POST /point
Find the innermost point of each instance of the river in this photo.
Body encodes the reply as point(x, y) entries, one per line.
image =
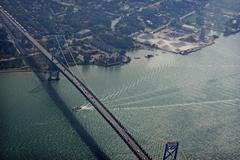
point(193, 99)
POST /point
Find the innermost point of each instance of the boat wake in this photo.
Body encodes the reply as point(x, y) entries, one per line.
point(83, 107)
point(87, 107)
point(180, 105)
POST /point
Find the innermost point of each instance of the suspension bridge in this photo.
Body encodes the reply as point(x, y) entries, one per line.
point(86, 92)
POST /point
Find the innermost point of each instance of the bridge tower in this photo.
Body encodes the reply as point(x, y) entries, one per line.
point(53, 70)
point(171, 150)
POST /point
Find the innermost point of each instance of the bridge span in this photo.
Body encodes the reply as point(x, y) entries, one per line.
point(96, 103)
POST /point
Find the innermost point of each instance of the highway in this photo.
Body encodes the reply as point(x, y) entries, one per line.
point(96, 103)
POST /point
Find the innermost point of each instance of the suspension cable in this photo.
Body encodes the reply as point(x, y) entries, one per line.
point(75, 62)
point(61, 51)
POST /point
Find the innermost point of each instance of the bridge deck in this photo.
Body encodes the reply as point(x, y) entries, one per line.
point(106, 114)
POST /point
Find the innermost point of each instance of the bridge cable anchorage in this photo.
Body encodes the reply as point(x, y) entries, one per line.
point(80, 86)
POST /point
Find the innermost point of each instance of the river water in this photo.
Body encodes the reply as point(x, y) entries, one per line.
point(192, 99)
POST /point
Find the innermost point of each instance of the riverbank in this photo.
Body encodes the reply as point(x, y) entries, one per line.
point(13, 70)
point(104, 62)
point(125, 60)
point(231, 33)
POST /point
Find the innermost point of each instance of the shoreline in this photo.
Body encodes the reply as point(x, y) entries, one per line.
point(142, 46)
point(29, 69)
point(15, 70)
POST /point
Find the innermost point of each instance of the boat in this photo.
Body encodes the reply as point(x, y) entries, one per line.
point(77, 109)
point(137, 58)
point(149, 56)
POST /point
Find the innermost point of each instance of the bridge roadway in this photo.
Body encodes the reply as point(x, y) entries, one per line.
point(96, 103)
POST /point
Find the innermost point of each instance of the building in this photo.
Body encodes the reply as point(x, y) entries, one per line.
point(189, 28)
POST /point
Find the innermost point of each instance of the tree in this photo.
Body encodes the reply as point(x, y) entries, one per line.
point(3, 34)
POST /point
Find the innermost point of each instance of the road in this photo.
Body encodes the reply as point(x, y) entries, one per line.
point(106, 114)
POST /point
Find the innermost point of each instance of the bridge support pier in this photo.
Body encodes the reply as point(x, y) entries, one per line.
point(54, 76)
point(54, 72)
point(171, 150)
